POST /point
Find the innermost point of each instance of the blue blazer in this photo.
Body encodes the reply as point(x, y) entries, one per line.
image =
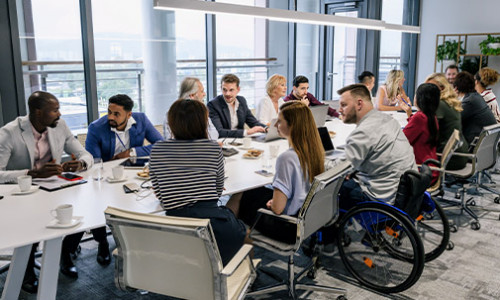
point(219, 114)
point(101, 140)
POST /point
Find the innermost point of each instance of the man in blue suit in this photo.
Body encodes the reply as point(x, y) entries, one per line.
point(229, 113)
point(120, 134)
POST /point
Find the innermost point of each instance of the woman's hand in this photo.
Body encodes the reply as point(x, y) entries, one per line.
point(269, 204)
point(403, 104)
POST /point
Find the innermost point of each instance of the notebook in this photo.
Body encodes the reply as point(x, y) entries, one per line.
point(326, 140)
point(320, 112)
point(271, 135)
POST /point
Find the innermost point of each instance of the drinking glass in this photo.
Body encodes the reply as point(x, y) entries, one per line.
point(97, 169)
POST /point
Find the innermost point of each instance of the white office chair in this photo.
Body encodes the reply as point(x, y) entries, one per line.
point(176, 257)
point(320, 208)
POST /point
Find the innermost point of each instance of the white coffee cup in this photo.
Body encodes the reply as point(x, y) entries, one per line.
point(247, 142)
point(63, 213)
point(117, 172)
point(24, 182)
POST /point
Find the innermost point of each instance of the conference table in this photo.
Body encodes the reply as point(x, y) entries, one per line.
point(23, 218)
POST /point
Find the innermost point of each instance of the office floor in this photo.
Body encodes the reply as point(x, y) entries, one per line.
point(469, 271)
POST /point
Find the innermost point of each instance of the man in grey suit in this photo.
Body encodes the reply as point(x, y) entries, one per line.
point(33, 145)
point(229, 112)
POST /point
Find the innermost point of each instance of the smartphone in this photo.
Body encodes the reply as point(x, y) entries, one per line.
point(264, 173)
point(131, 187)
point(70, 176)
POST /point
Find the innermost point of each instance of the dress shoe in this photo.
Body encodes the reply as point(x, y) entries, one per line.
point(30, 282)
point(103, 255)
point(67, 266)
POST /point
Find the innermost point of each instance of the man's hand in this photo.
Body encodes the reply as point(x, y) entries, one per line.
point(123, 154)
point(256, 129)
point(47, 170)
point(73, 165)
point(305, 100)
point(269, 204)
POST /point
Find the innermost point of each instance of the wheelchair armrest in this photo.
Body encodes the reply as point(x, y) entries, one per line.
point(469, 155)
point(283, 217)
point(237, 259)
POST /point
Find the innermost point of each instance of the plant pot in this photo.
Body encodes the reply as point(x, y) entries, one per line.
point(494, 45)
point(448, 62)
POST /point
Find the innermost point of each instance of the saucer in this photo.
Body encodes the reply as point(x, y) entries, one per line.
point(17, 191)
point(113, 180)
point(55, 224)
point(246, 148)
point(142, 178)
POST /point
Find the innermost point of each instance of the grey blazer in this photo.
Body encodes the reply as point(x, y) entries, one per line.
point(17, 147)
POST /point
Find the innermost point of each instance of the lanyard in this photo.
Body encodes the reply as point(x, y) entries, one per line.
point(121, 142)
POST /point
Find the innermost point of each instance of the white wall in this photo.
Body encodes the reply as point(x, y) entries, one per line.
point(455, 16)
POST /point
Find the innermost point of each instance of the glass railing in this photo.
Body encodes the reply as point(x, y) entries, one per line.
point(65, 80)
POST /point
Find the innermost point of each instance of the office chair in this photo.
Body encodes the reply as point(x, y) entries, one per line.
point(483, 157)
point(176, 257)
point(320, 208)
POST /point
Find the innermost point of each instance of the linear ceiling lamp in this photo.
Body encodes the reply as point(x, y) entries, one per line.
point(282, 15)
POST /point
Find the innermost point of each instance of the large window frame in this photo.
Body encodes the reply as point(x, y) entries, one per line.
point(12, 97)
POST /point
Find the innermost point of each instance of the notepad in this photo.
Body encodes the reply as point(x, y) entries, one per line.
point(55, 183)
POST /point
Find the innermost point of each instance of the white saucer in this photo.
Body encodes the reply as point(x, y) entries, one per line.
point(17, 191)
point(55, 224)
point(113, 180)
point(246, 148)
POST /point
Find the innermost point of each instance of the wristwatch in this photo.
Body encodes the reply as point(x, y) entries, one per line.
point(132, 152)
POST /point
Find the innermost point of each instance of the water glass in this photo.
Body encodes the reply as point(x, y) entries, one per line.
point(97, 169)
point(274, 150)
point(267, 163)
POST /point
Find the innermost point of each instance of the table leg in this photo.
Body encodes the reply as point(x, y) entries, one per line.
point(50, 269)
point(16, 272)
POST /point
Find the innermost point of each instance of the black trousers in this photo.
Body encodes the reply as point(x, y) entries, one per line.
point(69, 245)
point(100, 234)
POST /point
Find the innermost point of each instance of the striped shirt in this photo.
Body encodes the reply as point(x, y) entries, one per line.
point(491, 100)
point(184, 172)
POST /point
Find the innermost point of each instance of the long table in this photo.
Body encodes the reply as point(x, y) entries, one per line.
point(23, 218)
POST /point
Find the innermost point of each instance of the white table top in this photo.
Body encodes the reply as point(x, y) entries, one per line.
point(23, 217)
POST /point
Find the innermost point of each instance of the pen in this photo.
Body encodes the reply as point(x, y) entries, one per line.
point(405, 102)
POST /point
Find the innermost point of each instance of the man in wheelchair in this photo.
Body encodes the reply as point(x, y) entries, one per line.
point(377, 149)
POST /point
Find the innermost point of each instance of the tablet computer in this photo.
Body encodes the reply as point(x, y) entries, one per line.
point(135, 162)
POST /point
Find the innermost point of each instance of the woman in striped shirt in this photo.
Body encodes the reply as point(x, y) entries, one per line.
point(188, 175)
point(484, 78)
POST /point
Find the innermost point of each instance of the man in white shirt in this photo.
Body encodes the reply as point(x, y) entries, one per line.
point(229, 112)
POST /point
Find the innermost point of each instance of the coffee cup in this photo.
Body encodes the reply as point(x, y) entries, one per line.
point(63, 213)
point(117, 172)
point(24, 183)
point(247, 142)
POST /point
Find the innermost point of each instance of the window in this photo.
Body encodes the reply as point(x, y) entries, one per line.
point(51, 52)
point(390, 41)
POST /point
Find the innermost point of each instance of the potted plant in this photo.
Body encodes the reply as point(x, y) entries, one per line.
point(490, 46)
point(448, 51)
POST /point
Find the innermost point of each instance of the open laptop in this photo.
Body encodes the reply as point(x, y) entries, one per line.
point(320, 112)
point(271, 135)
point(326, 140)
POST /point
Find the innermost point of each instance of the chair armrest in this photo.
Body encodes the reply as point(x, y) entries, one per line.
point(237, 259)
point(284, 217)
point(469, 155)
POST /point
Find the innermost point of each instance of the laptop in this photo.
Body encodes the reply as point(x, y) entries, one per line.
point(271, 135)
point(320, 112)
point(326, 140)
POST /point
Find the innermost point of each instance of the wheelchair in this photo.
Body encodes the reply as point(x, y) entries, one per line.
point(385, 247)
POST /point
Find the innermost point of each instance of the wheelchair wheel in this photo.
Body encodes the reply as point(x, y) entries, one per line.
point(434, 231)
point(384, 251)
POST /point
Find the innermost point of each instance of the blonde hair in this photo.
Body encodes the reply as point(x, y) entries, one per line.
point(448, 95)
point(392, 83)
point(273, 82)
point(487, 76)
point(304, 138)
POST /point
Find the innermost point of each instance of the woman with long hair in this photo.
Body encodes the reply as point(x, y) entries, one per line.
point(188, 175)
point(449, 119)
point(484, 78)
point(391, 93)
point(295, 168)
point(422, 128)
point(267, 108)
